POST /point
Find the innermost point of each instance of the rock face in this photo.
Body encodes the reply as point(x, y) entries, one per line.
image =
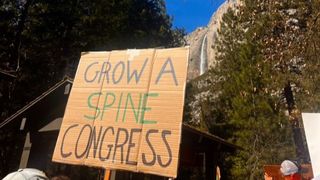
point(202, 42)
point(202, 57)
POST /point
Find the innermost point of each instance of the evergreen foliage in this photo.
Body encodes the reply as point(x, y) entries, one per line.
point(41, 40)
point(263, 47)
point(250, 107)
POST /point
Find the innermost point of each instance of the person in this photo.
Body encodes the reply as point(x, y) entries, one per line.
point(290, 170)
point(26, 174)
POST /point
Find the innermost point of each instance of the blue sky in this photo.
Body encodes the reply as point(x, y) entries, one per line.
point(191, 14)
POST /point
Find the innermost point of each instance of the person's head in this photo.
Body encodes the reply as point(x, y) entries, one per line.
point(26, 174)
point(290, 170)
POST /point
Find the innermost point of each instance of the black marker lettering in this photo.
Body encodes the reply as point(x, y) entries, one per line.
point(120, 145)
point(86, 73)
point(163, 70)
point(121, 74)
point(105, 71)
point(109, 145)
point(135, 73)
point(94, 141)
point(164, 133)
point(131, 145)
point(88, 142)
point(144, 161)
point(65, 155)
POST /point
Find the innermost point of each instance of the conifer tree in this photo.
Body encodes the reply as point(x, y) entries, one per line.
point(267, 73)
point(250, 107)
point(41, 40)
point(308, 96)
point(251, 85)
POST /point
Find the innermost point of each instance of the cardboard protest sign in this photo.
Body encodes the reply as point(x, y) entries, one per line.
point(311, 123)
point(125, 111)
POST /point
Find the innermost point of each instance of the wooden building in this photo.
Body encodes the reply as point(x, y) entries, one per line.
point(28, 138)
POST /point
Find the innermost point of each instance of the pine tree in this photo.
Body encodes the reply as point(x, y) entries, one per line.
point(251, 104)
point(308, 95)
point(41, 40)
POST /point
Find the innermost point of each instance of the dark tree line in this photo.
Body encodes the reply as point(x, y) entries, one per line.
point(41, 40)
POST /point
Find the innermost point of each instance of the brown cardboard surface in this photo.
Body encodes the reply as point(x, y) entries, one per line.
point(125, 111)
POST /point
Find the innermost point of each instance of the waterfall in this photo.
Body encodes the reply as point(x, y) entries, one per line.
point(203, 56)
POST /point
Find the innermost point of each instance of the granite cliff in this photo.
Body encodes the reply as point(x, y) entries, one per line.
point(202, 42)
point(202, 57)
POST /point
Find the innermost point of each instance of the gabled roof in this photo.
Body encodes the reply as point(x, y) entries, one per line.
point(209, 136)
point(39, 98)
